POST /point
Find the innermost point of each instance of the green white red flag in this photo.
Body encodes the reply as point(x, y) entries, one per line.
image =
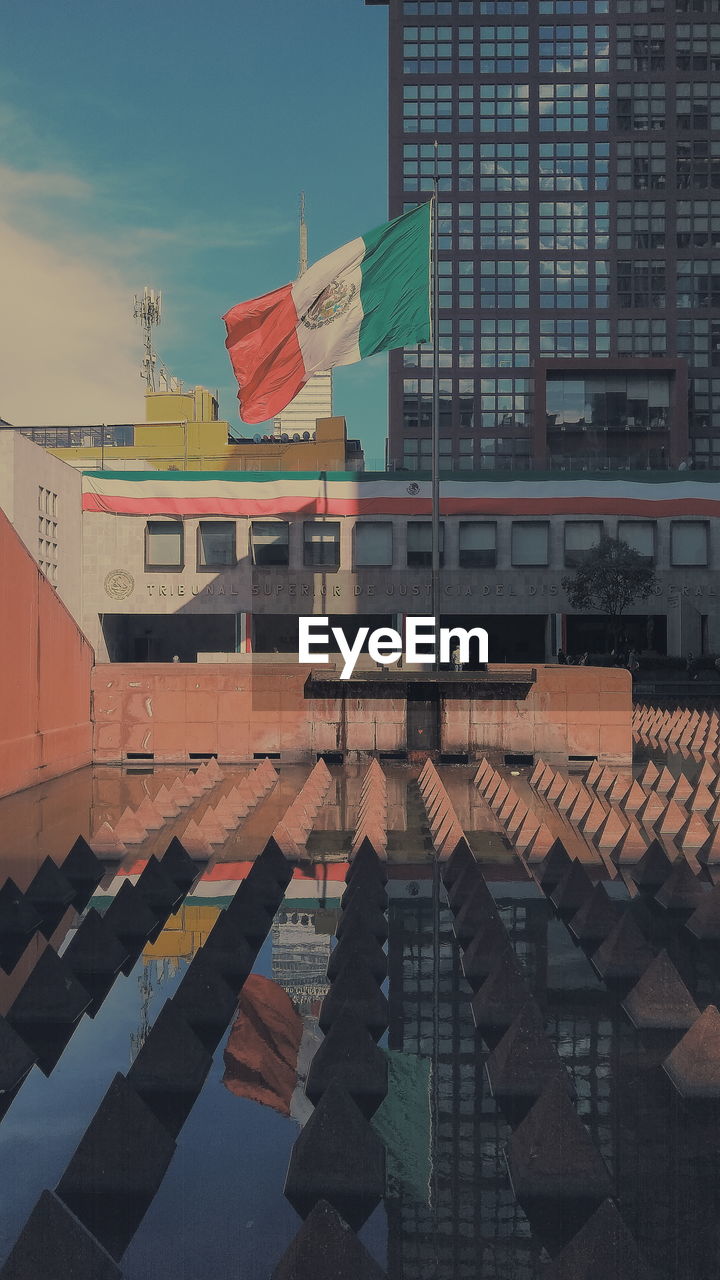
point(370, 295)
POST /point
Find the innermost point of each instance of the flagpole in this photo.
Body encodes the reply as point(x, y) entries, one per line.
point(435, 436)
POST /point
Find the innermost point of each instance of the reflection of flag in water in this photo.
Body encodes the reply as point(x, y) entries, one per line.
point(262, 1051)
point(403, 1123)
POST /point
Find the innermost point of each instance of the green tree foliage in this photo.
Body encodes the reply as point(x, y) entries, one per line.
point(611, 578)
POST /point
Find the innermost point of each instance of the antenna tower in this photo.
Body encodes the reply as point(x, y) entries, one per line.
point(147, 309)
point(303, 236)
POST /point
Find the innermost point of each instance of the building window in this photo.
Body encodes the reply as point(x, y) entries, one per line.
point(417, 453)
point(566, 283)
point(706, 453)
point(456, 226)
point(504, 344)
point(641, 224)
point(698, 47)
point(573, 166)
point(373, 543)
point(640, 48)
point(164, 544)
point(688, 542)
point(503, 224)
point(704, 404)
point(573, 50)
point(698, 283)
point(456, 283)
point(270, 542)
point(504, 284)
point(574, 337)
point(502, 7)
point(608, 401)
point(640, 6)
point(642, 337)
point(698, 224)
point(504, 404)
point(698, 105)
point(641, 283)
point(639, 536)
point(419, 166)
point(504, 166)
point(504, 453)
point(530, 539)
point(697, 6)
point(419, 543)
point(503, 50)
point(572, 7)
point(321, 544)
point(565, 108)
point(477, 539)
point(640, 106)
point(641, 166)
point(698, 164)
point(699, 341)
point(437, 108)
point(216, 544)
point(504, 108)
point(581, 536)
point(429, 50)
point(574, 225)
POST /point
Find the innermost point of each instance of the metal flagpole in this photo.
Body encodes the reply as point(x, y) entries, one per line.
point(435, 437)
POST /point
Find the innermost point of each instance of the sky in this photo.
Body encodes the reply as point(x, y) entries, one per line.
point(166, 144)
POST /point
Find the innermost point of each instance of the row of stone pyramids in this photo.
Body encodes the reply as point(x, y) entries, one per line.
point(689, 731)
point(445, 827)
point(294, 828)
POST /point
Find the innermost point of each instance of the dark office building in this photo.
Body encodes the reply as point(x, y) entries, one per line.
point(579, 221)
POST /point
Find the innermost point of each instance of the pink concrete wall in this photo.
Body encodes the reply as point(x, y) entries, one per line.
point(236, 710)
point(45, 666)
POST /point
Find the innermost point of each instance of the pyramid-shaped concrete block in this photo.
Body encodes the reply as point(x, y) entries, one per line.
point(611, 832)
point(166, 806)
point(319, 1166)
point(525, 1060)
point(81, 867)
point(474, 913)
point(172, 1061)
point(481, 955)
point(54, 1243)
point(625, 954)
point(580, 806)
point(704, 923)
point(129, 828)
point(652, 810)
point(362, 945)
point(653, 868)
point(204, 999)
point(50, 996)
point(355, 989)
point(682, 891)
point(555, 865)
point(694, 1064)
point(94, 949)
point(632, 847)
point(603, 1247)
point(371, 918)
point(129, 916)
point(49, 888)
point(178, 865)
point(230, 951)
point(16, 1058)
point(650, 774)
point(594, 818)
point(596, 917)
point(148, 815)
point(575, 887)
point(326, 1248)
point(18, 917)
point(349, 1056)
point(107, 845)
point(195, 843)
point(551, 1155)
point(660, 999)
point(633, 799)
point(501, 997)
point(157, 888)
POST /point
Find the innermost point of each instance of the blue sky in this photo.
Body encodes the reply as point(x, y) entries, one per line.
point(166, 144)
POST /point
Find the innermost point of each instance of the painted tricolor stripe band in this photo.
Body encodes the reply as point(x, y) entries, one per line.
point(370, 295)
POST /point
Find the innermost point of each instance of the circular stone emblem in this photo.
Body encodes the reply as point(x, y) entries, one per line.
point(334, 301)
point(119, 584)
point(413, 488)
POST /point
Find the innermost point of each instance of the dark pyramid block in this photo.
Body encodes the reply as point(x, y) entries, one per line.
point(603, 1247)
point(179, 866)
point(230, 952)
point(117, 1168)
point(355, 989)
point(463, 886)
point(551, 870)
point(50, 995)
point(18, 917)
point(461, 858)
point(551, 1155)
point(369, 918)
point(474, 914)
point(11, 951)
point(320, 1167)
point(129, 916)
point(682, 891)
point(525, 1061)
point(54, 1245)
point(573, 890)
point(49, 888)
point(170, 1069)
point(263, 885)
point(250, 915)
point(593, 921)
point(653, 868)
point(625, 954)
point(660, 999)
point(367, 856)
point(366, 890)
point(357, 944)
point(694, 1064)
point(94, 949)
point(326, 1248)
point(16, 1058)
point(272, 857)
point(480, 957)
point(158, 889)
point(349, 1056)
point(704, 923)
point(81, 867)
point(205, 1000)
point(502, 997)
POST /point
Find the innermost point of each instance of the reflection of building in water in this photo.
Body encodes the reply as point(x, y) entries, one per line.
point(300, 954)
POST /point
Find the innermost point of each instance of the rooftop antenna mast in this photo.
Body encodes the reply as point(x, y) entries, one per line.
point(147, 309)
point(303, 236)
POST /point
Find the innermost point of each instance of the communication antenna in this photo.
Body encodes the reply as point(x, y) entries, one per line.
point(147, 309)
point(303, 236)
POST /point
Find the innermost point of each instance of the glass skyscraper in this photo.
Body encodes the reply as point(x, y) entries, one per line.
point(579, 223)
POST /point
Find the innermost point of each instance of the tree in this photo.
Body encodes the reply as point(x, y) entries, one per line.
point(612, 577)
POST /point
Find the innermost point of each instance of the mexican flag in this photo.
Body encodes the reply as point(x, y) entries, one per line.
point(368, 296)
